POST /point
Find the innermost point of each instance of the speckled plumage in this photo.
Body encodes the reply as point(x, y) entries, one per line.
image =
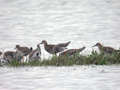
point(24, 51)
point(54, 49)
point(104, 49)
point(70, 52)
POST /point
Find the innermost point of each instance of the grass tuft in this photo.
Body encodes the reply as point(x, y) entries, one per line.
point(77, 59)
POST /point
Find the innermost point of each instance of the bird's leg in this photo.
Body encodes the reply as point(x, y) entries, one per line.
point(57, 63)
point(22, 59)
point(26, 59)
point(55, 54)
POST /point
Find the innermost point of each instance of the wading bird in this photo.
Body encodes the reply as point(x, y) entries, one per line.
point(22, 51)
point(104, 49)
point(9, 56)
point(70, 52)
point(54, 49)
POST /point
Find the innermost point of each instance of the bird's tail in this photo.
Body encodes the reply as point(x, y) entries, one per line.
point(64, 44)
point(68, 42)
point(81, 49)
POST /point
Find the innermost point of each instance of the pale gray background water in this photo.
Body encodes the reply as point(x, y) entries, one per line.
point(83, 22)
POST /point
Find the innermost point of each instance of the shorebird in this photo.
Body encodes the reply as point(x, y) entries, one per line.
point(70, 52)
point(35, 54)
point(22, 51)
point(9, 55)
point(54, 49)
point(104, 49)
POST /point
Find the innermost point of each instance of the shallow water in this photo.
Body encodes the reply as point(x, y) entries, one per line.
point(60, 78)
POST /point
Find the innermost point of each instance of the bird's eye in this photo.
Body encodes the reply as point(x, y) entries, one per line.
point(37, 54)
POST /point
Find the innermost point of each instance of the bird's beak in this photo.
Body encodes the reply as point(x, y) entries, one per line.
point(40, 43)
point(84, 47)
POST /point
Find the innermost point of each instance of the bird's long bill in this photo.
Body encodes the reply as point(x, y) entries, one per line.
point(83, 48)
point(40, 43)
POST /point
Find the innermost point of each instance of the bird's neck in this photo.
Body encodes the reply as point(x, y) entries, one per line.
point(45, 44)
point(18, 48)
point(101, 47)
point(39, 49)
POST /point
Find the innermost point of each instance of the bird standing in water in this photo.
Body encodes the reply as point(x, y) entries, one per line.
point(9, 55)
point(104, 49)
point(54, 49)
point(70, 52)
point(22, 51)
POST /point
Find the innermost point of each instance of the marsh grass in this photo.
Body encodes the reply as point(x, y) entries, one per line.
point(77, 59)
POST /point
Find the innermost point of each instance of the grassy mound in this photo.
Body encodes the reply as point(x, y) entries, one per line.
point(77, 59)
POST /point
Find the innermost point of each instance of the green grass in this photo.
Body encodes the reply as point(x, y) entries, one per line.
point(78, 59)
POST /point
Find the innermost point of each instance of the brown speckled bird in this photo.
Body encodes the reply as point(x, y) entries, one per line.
point(9, 55)
point(54, 49)
point(70, 52)
point(23, 51)
point(104, 49)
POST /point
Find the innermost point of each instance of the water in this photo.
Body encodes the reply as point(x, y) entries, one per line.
point(83, 22)
point(60, 78)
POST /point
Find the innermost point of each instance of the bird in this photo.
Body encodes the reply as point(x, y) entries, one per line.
point(22, 51)
point(54, 49)
point(70, 52)
point(105, 49)
point(9, 55)
point(35, 54)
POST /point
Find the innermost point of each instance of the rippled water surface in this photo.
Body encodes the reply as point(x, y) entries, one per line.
point(83, 22)
point(60, 78)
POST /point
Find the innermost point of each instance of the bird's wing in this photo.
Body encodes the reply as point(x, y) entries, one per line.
point(58, 49)
point(63, 44)
point(109, 49)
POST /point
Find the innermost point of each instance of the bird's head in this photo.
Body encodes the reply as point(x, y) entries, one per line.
point(43, 42)
point(17, 46)
point(97, 44)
